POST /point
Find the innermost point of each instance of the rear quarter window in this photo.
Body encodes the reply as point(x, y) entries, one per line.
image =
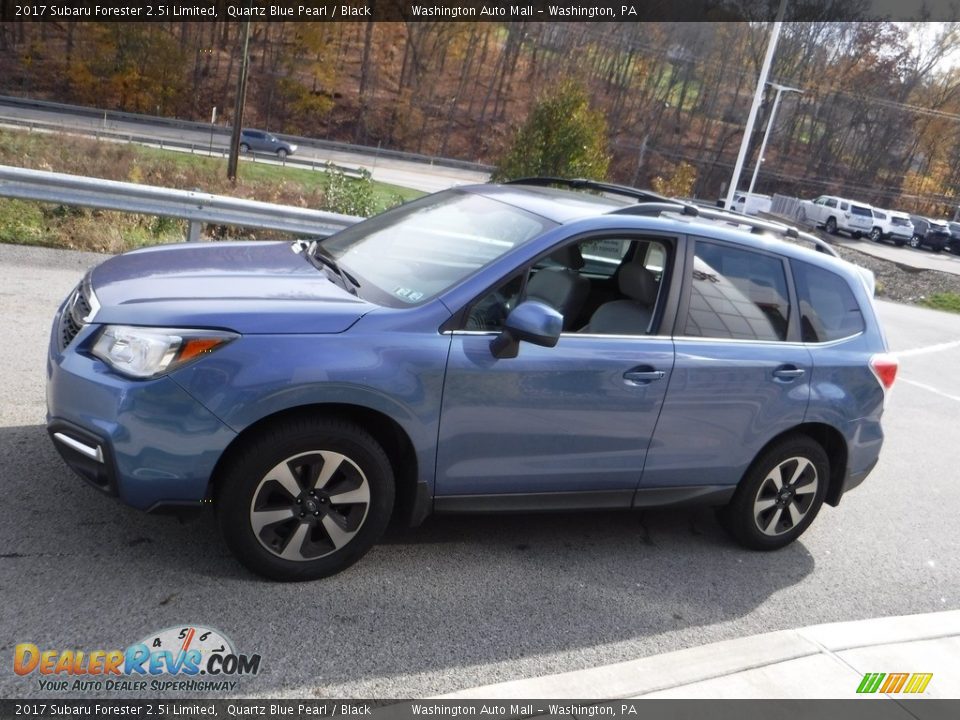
point(828, 308)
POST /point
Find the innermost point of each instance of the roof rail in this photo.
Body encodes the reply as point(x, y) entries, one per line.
point(586, 184)
point(651, 203)
point(759, 225)
point(656, 208)
point(756, 225)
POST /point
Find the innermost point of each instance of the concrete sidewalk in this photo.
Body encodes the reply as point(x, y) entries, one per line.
point(821, 661)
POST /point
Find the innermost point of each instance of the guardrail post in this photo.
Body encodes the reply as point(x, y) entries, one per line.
point(193, 232)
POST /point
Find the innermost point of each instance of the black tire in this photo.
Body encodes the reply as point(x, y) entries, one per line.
point(915, 242)
point(281, 154)
point(256, 482)
point(244, 148)
point(876, 235)
point(831, 226)
point(791, 510)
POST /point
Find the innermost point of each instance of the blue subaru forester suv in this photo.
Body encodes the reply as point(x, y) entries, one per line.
point(515, 347)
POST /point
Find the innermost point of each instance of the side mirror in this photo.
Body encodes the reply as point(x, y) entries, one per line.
point(530, 321)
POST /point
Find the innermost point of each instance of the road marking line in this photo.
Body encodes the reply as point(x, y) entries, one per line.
point(930, 388)
point(928, 349)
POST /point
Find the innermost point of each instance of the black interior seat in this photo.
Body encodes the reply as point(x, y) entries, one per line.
point(630, 315)
point(562, 288)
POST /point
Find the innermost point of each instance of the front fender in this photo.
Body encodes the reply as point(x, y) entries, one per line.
point(259, 376)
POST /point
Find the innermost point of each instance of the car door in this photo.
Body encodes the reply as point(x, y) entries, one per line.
point(741, 374)
point(567, 426)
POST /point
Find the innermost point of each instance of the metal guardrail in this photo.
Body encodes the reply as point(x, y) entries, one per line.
point(196, 207)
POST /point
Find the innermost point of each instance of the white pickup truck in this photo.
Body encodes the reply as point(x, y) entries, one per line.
point(837, 215)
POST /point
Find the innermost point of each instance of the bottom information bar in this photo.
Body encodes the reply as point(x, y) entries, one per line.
point(872, 709)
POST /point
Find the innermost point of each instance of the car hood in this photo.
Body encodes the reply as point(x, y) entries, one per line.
point(248, 287)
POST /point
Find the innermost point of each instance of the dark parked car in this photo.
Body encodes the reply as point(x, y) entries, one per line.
point(488, 348)
point(933, 233)
point(953, 244)
point(259, 141)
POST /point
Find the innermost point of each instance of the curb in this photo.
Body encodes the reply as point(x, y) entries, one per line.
point(818, 647)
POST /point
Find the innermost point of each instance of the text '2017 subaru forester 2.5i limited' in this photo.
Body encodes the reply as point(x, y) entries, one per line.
point(511, 347)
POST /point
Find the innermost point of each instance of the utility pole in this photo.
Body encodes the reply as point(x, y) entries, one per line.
point(238, 107)
point(757, 97)
point(766, 133)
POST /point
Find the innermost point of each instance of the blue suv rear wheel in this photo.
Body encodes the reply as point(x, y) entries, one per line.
point(780, 494)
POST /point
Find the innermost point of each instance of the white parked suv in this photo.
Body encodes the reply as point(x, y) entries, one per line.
point(891, 225)
point(837, 215)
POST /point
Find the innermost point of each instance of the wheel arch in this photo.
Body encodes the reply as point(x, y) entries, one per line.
point(833, 444)
point(412, 503)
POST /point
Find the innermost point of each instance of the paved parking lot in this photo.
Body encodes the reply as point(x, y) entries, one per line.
point(461, 602)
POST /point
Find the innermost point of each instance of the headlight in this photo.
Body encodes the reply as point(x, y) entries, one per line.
point(142, 352)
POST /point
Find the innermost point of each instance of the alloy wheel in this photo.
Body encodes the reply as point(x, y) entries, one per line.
point(310, 505)
point(786, 495)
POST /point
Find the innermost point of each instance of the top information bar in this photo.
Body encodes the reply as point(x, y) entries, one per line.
point(536, 11)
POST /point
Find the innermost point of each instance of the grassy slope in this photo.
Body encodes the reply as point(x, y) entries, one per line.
point(943, 301)
point(83, 229)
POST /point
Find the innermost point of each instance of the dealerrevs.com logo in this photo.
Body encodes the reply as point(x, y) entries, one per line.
point(178, 659)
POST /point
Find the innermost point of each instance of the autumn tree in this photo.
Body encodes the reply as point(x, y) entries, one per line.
point(562, 137)
point(679, 184)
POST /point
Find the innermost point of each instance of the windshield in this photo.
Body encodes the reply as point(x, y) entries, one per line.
point(410, 254)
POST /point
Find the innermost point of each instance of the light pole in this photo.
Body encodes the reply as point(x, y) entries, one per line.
point(758, 94)
point(766, 133)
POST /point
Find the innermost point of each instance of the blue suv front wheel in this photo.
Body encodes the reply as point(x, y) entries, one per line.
point(305, 499)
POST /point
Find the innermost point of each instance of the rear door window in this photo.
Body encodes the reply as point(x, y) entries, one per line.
point(828, 309)
point(737, 294)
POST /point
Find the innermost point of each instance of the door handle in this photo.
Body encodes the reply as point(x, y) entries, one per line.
point(788, 372)
point(642, 377)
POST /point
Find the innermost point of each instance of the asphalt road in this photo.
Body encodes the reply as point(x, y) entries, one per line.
point(463, 601)
point(388, 170)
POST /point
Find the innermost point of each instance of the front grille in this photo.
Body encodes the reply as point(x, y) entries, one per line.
point(74, 316)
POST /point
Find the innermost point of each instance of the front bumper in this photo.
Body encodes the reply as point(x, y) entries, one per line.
point(147, 442)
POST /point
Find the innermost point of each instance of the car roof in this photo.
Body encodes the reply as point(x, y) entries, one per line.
point(564, 206)
point(848, 200)
point(554, 204)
